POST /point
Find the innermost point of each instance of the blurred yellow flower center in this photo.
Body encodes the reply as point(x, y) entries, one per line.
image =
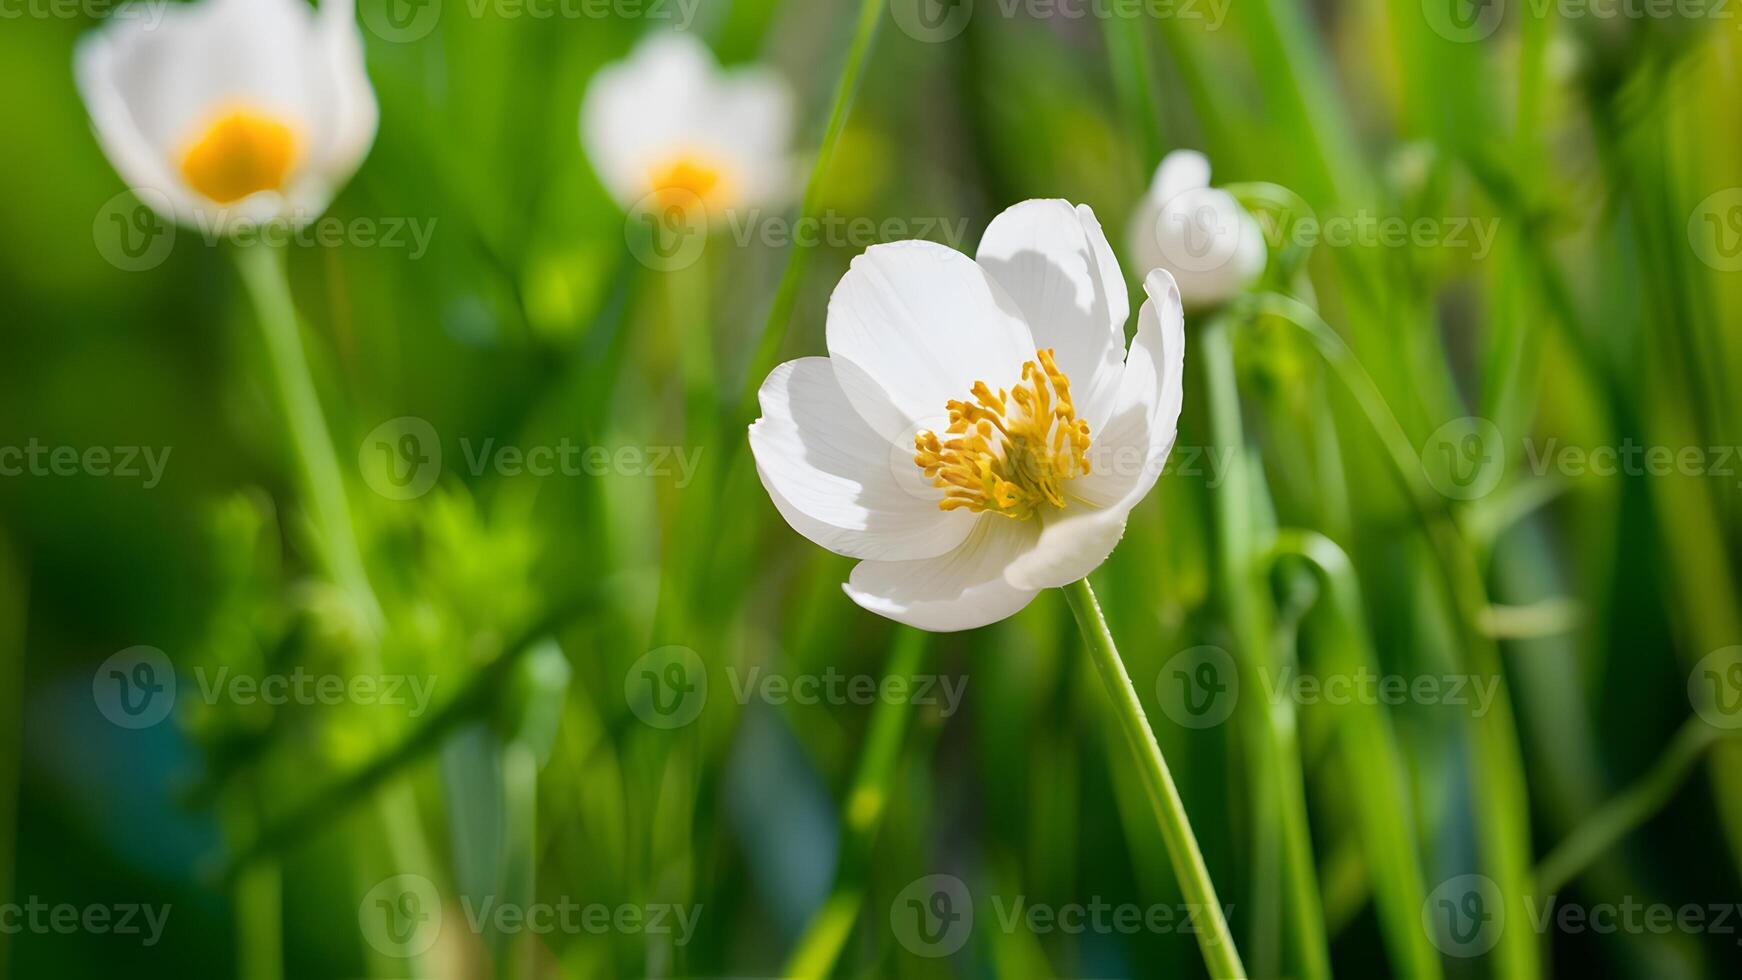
point(243, 152)
point(689, 175)
point(1009, 452)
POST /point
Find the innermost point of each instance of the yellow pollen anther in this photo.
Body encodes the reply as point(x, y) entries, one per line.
point(241, 153)
point(1009, 452)
point(691, 175)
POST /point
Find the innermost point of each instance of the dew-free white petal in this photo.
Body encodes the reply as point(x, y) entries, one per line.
point(836, 481)
point(961, 590)
point(1054, 261)
point(912, 326)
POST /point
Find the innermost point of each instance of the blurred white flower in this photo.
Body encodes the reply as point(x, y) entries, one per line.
point(668, 122)
point(236, 111)
point(1202, 235)
point(977, 432)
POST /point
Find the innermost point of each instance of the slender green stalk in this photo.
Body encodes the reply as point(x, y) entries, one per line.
point(257, 893)
point(1628, 810)
point(1502, 800)
point(264, 275)
point(820, 946)
point(1278, 788)
point(1374, 759)
point(798, 258)
point(1214, 939)
point(12, 610)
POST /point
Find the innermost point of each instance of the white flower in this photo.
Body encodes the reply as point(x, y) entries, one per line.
point(1202, 235)
point(235, 111)
point(977, 432)
point(668, 121)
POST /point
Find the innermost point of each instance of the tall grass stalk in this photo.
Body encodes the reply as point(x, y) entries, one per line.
point(1214, 939)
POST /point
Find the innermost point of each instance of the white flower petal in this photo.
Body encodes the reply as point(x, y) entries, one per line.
point(912, 326)
point(639, 111)
point(152, 78)
point(1072, 543)
point(1179, 171)
point(1054, 262)
point(1201, 234)
point(349, 109)
point(961, 590)
point(1128, 455)
point(749, 125)
point(839, 483)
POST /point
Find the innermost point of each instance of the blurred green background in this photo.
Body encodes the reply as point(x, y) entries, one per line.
point(1600, 317)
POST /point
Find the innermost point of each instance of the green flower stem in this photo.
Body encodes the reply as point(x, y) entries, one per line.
point(1502, 800)
point(1214, 939)
point(264, 275)
point(257, 892)
point(1278, 788)
point(1627, 811)
point(798, 259)
point(821, 944)
point(13, 592)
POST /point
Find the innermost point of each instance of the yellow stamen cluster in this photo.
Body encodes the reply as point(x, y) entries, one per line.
point(688, 175)
point(240, 153)
point(1009, 452)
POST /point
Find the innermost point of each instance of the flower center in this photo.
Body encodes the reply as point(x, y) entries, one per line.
point(1009, 452)
point(691, 174)
point(241, 153)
